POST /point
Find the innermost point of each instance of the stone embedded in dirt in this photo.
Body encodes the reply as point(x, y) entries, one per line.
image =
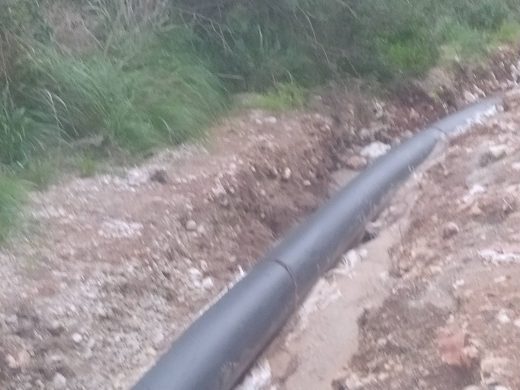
point(158, 339)
point(55, 328)
point(450, 230)
point(59, 381)
point(512, 100)
point(287, 173)
point(470, 97)
point(21, 360)
point(473, 387)
point(365, 134)
point(382, 342)
point(351, 259)
point(500, 279)
point(503, 318)
point(497, 257)
point(498, 151)
point(379, 111)
point(307, 183)
point(207, 283)
point(356, 162)
point(271, 120)
point(77, 338)
point(493, 154)
point(491, 368)
point(159, 176)
point(407, 134)
point(191, 225)
point(375, 150)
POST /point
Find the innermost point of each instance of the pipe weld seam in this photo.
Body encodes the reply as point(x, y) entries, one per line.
point(291, 276)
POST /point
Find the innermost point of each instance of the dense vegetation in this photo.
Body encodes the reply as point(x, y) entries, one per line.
point(80, 79)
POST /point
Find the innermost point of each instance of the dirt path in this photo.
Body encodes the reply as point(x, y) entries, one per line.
point(112, 268)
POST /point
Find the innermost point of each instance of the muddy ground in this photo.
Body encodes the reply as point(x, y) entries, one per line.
point(110, 269)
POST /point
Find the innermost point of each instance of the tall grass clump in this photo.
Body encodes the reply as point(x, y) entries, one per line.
point(12, 197)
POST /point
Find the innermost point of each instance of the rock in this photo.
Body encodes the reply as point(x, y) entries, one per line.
point(77, 338)
point(351, 259)
point(307, 183)
point(469, 97)
point(191, 225)
point(414, 114)
point(493, 154)
point(59, 381)
point(271, 120)
point(207, 283)
point(449, 230)
point(54, 359)
point(512, 100)
point(407, 134)
point(55, 328)
point(287, 173)
point(500, 279)
point(158, 339)
point(353, 382)
point(159, 176)
point(493, 367)
point(365, 134)
point(375, 150)
point(503, 318)
point(379, 111)
point(356, 163)
point(382, 342)
point(473, 387)
point(11, 362)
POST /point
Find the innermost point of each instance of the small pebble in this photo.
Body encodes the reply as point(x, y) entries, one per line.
point(503, 318)
point(191, 225)
point(77, 338)
point(286, 174)
point(449, 230)
point(207, 283)
point(59, 381)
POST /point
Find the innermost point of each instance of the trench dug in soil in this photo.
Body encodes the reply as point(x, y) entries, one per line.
point(111, 269)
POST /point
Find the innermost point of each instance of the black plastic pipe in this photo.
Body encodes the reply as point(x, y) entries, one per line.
point(218, 348)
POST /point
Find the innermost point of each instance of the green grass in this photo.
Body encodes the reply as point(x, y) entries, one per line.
point(464, 42)
point(509, 32)
point(282, 97)
point(12, 197)
point(39, 172)
point(87, 166)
